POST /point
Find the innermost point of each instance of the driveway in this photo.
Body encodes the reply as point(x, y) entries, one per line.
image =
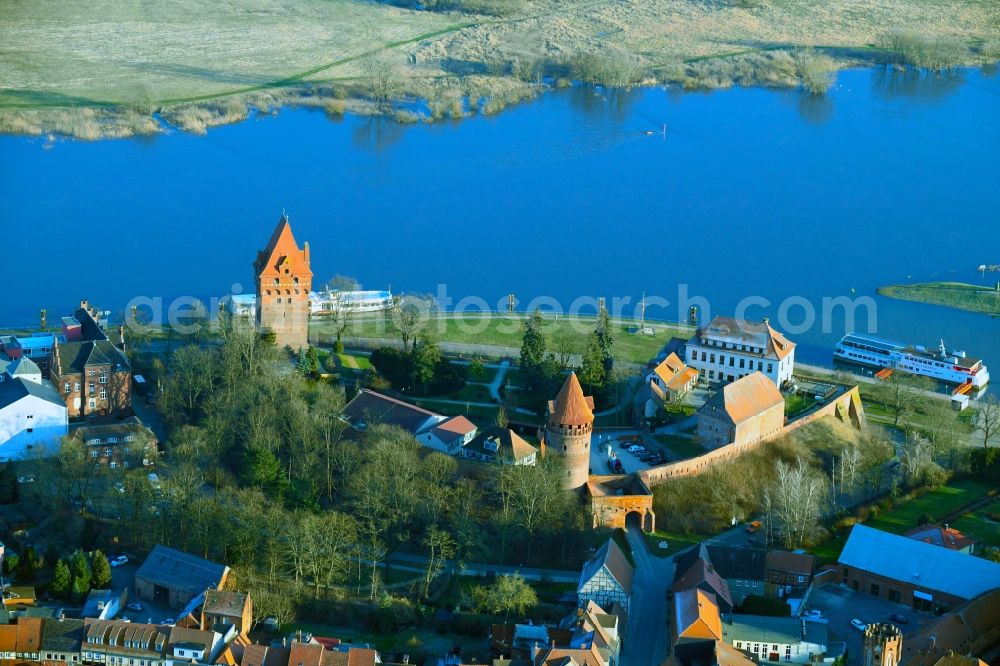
point(647, 636)
point(840, 604)
point(618, 441)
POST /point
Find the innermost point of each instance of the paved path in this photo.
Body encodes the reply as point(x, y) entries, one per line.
point(648, 632)
point(497, 382)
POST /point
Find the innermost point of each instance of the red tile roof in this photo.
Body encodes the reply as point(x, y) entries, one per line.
point(571, 407)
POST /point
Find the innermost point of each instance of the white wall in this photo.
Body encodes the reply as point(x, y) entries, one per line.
point(49, 423)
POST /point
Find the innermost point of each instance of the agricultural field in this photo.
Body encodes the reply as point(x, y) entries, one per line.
point(102, 69)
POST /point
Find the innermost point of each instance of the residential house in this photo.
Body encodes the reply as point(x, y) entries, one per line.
point(696, 628)
point(745, 412)
point(694, 570)
point(502, 445)
point(436, 431)
point(28, 641)
point(62, 639)
point(945, 537)
point(593, 627)
point(790, 569)
point(912, 572)
point(564, 656)
point(319, 651)
point(607, 578)
point(776, 639)
point(36, 346)
point(90, 371)
point(33, 417)
point(103, 604)
point(124, 444)
point(174, 578)
point(667, 382)
point(224, 607)
point(744, 569)
point(728, 349)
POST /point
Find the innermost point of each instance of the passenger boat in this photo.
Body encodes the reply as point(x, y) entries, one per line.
point(947, 365)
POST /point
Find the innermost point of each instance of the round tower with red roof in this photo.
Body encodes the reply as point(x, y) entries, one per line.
point(568, 429)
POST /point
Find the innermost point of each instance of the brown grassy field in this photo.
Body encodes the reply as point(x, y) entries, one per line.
point(100, 69)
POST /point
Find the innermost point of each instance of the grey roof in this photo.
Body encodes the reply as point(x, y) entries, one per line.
point(181, 571)
point(221, 602)
point(64, 635)
point(612, 557)
point(738, 562)
point(129, 426)
point(816, 632)
point(12, 390)
point(762, 629)
point(22, 367)
point(918, 563)
point(369, 408)
point(75, 356)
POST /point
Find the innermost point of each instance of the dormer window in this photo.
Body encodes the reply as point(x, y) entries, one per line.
point(275, 280)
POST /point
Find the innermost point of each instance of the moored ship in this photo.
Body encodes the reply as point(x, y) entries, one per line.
point(947, 365)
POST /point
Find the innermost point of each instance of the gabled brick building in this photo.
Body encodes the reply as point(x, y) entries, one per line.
point(284, 279)
point(88, 370)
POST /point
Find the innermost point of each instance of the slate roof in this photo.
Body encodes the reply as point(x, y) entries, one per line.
point(796, 563)
point(571, 407)
point(370, 407)
point(64, 635)
point(741, 331)
point(921, 564)
point(181, 571)
point(23, 367)
point(128, 426)
point(701, 572)
point(745, 398)
point(612, 557)
point(12, 390)
point(738, 562)
point(77, 355)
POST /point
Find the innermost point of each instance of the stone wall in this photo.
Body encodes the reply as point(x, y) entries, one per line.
point(846, 408)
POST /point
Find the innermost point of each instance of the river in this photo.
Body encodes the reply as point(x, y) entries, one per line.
point(749, 192)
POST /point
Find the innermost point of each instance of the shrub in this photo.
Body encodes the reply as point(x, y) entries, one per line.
point(924, 519)
point(770, 606)
point(816, 70)
point(924, 51)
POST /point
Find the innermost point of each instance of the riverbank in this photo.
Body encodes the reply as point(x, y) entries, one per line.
point(123, 69)
point(959, 295)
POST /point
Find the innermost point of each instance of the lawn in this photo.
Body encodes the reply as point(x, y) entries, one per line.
point(683, 447)
point(676, 542)
point(975, 298)
point(354, 362)
point(100, 69)
point(938, 503)
point(979, 526)
point(796, 403)
point(502, 330)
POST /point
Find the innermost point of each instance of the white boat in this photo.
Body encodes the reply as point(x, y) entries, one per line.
point(943, 364)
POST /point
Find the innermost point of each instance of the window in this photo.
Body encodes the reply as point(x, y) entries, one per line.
point(107, 452)
point(770, 367)
point(114, 465)
point(104, 394)
point(129, 438)
point(92, 404)
point(91, 388)
point(874, 589)
point(93, 454)
point(76, 386)
point(66, 388)
point(104, 377)
point(90, 373)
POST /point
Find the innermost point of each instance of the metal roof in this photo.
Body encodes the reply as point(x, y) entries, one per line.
point(920, 564)
point(181, 571)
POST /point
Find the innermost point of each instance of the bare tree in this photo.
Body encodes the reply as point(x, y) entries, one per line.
point(987, 419)
point(440, 547)
point(407, 318)
point(900, 392)
point(795, 498)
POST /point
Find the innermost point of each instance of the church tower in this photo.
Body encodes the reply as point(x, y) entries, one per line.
point(883, 645)
point(284, 280)
point(568, 428)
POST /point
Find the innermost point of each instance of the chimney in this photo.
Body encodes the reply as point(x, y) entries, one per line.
point(946, 527)
point(406, 658)
point(767, 321)
point(305, 252)
point(84, 305)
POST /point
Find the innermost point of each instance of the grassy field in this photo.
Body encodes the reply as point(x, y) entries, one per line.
point(100, 69)
point(506, 331)
point(938, 504)
point(683, 447)
point(984, 300)
point(979, 526)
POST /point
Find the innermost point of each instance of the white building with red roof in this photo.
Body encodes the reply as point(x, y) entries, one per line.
point(728, 349)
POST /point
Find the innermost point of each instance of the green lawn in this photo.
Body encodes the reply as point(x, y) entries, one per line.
point(796, 403)
point(975, 298)
point(683, 447)
point(506, 330)
point(979, 526)
point(938, 503)
point(354, 362)
point(676, 542)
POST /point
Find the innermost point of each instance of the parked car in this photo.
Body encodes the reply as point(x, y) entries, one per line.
point(898, 619)
point(169, 620)
point(635, 448)
point(119, 560)
point(27, 478)
point(120, 487)
point(135, 606)
point(753, 526)
point(813, 615)
point(858, 624)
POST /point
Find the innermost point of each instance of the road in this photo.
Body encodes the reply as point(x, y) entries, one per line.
point(647, 637)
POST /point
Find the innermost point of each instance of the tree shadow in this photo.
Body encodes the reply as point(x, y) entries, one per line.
point(890, 83)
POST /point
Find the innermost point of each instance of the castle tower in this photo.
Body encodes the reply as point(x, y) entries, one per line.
point(283, 283)
point(883, 645)
point(568, 428)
